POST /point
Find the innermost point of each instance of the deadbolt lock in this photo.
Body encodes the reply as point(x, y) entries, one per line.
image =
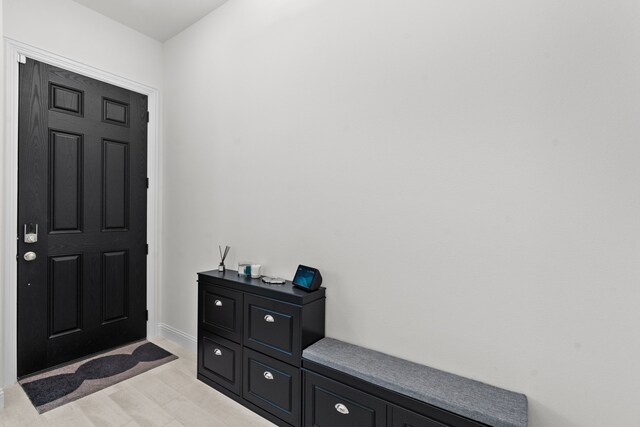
point(30, 233)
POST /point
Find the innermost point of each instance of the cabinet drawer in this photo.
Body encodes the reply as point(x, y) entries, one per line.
point(328, 403)
point(221, 311)
point(404, 418)
point(220, 360)
point(273, 327)
point(272, 385)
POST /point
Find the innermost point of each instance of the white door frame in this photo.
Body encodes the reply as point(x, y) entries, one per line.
point(14, 50)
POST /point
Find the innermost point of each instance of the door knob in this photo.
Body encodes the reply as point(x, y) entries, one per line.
point(269, 318)
point(30, 256)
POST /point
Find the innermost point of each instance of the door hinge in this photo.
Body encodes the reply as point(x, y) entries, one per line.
point(22, 59)
point(146, 248)
point(147, 117)
point(146, 315)
point(147, 182)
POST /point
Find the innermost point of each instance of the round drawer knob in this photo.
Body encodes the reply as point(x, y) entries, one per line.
point(268, 375)
point(217, 352)
point(269, 318)
point(342, 409)
point(218, 303)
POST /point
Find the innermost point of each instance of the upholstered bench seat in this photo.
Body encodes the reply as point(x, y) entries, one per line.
point(463, 396)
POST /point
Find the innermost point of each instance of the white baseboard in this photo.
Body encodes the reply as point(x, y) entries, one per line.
point(185, 340)
point(1, 398)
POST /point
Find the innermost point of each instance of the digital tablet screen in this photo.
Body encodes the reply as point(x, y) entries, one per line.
point(304, 277)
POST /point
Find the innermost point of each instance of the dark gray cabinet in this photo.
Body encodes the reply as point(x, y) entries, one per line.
point(329, 403)
point(272, 385)
point(335, 399)
point(250, 341)
point(402, 418)
point(219, 360)
point(221, 311)
point(273, 327)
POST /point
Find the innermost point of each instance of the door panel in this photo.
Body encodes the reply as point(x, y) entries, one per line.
point(115, 185)
point(65, 294)
point(65, 181)
point(65, 99)
point(115, 286)
point(82, 180)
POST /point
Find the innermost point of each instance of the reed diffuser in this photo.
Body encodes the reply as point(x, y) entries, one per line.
point(223, 256)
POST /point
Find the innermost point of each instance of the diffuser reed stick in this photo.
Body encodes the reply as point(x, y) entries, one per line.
point(221, 267)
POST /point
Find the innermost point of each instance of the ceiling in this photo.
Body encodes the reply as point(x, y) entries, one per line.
point(159, 19)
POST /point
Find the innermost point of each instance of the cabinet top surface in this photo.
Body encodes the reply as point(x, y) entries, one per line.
point(286, 292)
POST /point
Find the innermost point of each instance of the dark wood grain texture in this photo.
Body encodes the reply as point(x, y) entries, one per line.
point(82, 179)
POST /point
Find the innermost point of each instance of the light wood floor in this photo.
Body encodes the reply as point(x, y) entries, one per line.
point(169, 395)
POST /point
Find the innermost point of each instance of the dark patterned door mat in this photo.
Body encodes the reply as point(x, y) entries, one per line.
point(54, 388)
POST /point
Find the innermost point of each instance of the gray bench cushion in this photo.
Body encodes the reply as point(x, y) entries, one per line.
point(472, 399)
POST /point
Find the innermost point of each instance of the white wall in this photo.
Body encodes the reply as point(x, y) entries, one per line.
point(465, 174)
point(78, 33)
point(70, 30)
point(2, 197)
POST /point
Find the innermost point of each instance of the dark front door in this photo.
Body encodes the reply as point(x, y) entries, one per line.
point(82, 172)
